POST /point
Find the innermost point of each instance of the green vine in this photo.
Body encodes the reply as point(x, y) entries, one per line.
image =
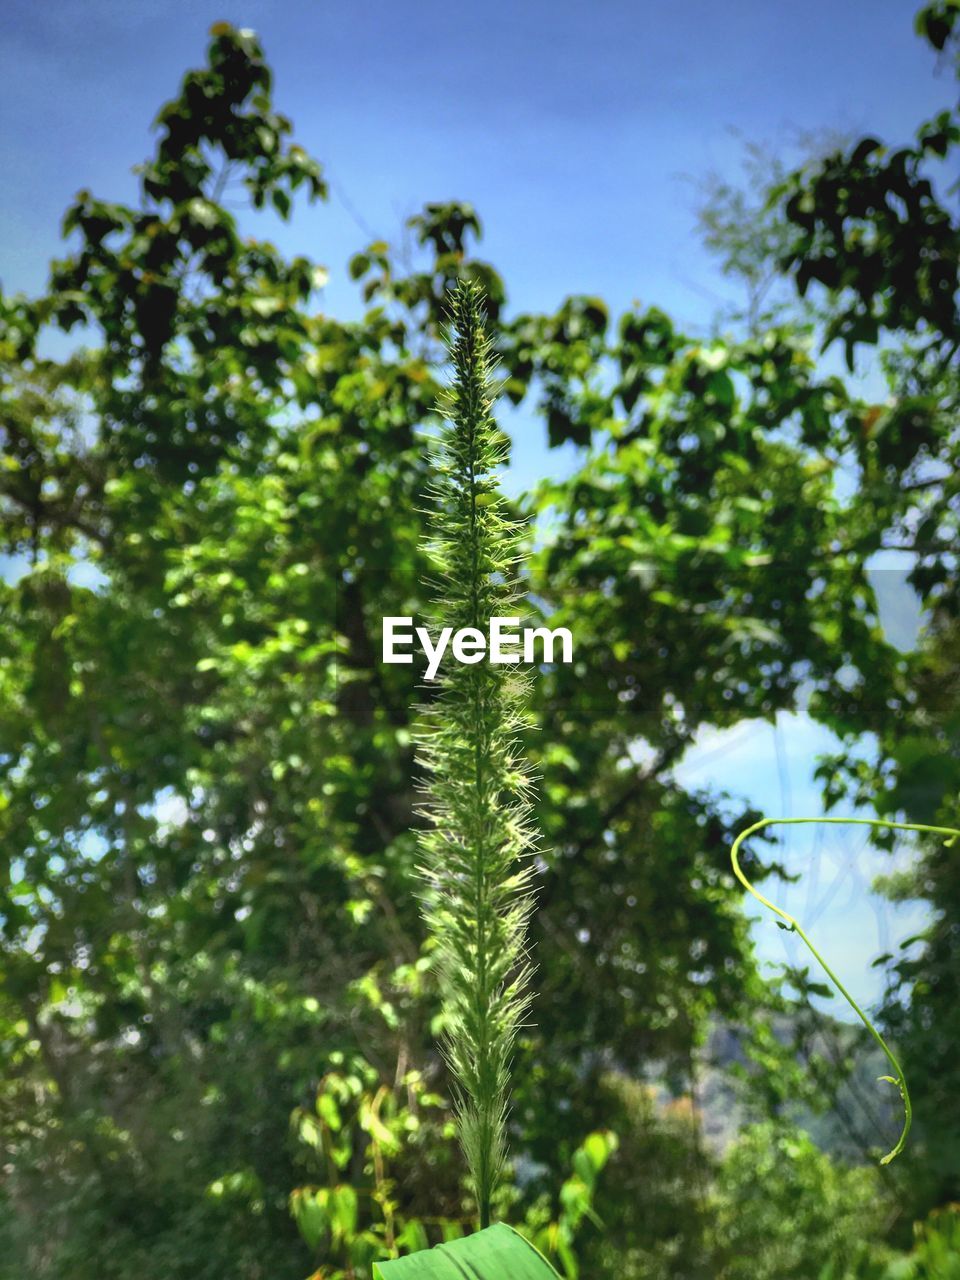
point(794, 926)
point(475, 855)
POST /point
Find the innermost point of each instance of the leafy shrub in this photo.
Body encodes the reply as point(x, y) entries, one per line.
point(786, 1211)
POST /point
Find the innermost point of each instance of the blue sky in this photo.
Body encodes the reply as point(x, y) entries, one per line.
point(577, 130)
point(570, 126)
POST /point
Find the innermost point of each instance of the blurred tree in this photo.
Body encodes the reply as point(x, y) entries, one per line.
point(785, 1210)
point(877, 230)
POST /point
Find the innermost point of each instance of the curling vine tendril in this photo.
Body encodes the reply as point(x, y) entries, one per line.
point(898, 1079)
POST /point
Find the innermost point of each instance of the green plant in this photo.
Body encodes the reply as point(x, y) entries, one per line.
point(935, 1254)
point(794, 926)
point(555, 1235)
point(936, 1250)
point(363, 1141)
point(475, 854)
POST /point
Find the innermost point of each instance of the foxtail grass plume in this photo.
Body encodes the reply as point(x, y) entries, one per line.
point(476, 852)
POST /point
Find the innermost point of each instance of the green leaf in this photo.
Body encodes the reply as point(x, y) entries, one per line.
point(496, 1253)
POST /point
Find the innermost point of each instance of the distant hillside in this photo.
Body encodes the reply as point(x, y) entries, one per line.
point(863, 1115)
